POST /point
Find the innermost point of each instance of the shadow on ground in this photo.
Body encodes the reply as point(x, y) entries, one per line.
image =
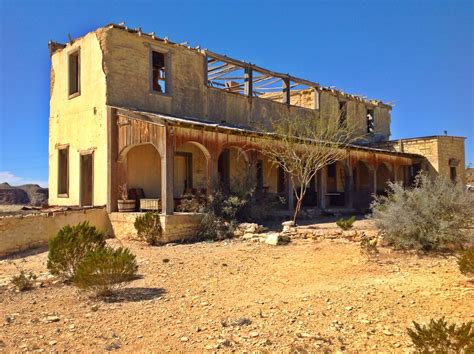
point(135, 294)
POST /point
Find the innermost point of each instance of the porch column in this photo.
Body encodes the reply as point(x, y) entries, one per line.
point(374, 176)
point(212, 174)
point(323, 174)
point(167, 172)
point(349, 187)
point(291, 194)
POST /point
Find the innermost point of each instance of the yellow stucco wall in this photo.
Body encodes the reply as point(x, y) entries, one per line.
point(79, 122)
point(22, 232)
point(144, 170)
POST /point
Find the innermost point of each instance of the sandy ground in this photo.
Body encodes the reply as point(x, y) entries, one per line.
point(235, 295)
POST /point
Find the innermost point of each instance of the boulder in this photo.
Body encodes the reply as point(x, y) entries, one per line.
point(274, 239)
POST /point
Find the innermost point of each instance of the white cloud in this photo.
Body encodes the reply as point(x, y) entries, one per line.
point(11, 179)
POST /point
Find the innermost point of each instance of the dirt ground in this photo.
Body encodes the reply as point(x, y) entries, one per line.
point(236, 295)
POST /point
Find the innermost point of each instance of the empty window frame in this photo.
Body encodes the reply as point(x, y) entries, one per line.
point(370, 121)
point(74, 64)
point(332, 170)
point(343, 114)
point(158, 64)
point(63, 172)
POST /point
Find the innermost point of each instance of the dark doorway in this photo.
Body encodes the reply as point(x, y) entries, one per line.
point(87, 181)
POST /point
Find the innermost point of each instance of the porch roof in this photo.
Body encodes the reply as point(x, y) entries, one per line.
point(191, 122)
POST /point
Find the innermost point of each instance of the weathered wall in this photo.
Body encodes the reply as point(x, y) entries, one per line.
point(79, 122)
point(177, 227)
point(22, 232)
point(438, 151)
point(127, 60)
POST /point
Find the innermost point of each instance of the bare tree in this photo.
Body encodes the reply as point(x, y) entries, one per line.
point(304, 146)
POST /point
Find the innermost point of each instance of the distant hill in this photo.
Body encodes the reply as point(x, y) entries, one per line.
point(31, 194)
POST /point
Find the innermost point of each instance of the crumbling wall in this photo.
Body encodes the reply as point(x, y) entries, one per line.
point(78, 122)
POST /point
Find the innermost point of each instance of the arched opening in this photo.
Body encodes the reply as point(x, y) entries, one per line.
point(402, 175)
point(383, 177)
point(232, 166)
point(191, 173)
point(144, 171)
point(363, 185)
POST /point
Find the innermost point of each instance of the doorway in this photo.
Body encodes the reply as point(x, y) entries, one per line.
point(86, 179)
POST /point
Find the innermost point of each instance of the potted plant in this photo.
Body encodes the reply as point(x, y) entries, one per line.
point(125, 204)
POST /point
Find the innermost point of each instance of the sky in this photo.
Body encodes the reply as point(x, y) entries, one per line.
point(416, 54)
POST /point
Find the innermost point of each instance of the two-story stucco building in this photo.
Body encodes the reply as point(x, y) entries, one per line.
point(130, 108)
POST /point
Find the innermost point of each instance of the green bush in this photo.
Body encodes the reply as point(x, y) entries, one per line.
point(149, 228)
point(105, 269)
point(440, 337)
point(433, 215)
point(466, 261)
point(70, 245)
point(24, 281)
point(346, 224)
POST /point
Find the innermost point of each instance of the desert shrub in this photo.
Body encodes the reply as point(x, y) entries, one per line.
point(346, 224)
point(193, 203)
point(149, 228)
point(466, 261)
point(429, 216)
point(24, 281)
point(105, 269)
point(441, 337)
point(368, 246)
point(70, 245)
point(213, 227)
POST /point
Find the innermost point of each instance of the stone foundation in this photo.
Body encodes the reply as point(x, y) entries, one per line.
point(176, 227)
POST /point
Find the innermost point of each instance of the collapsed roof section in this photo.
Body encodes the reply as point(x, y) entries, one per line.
point(242, 77)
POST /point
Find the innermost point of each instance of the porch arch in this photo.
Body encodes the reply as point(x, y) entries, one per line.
point(191, 169)
point(232, 165)
point(142, 169)
point(384, 175)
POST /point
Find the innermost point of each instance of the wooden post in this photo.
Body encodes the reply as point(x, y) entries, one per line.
point(212, 174)
point(167, 172)
point(349, 186)
point(322, 187)
point(374, 176)
point(286, 91)
point(248, 82)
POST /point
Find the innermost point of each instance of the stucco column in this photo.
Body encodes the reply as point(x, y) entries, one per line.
point(167, 172)
point(374, 182)
point(212, 174)
point(291, 194)
point(349, 187)
point(323, 174)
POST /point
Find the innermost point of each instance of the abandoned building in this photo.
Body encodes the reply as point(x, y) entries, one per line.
point(165, 119)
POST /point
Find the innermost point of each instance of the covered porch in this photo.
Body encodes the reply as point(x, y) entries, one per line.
point(165, 160)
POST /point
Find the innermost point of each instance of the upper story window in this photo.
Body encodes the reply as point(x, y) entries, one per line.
point(370, 121)
point(74, 64)
point(343, 114)
point(158, 62)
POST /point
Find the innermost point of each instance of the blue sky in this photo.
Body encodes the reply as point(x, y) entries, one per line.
point(416, 54)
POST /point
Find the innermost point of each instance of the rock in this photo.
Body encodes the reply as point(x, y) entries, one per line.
point(248, 236)
point(50, 319)
point(184, 339)
point(387, 332)
point(287, 225)
point(254, 334)
point(52, 342)
point(94, 308)
point(273, 238)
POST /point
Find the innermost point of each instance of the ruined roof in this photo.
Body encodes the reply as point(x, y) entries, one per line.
point(54, 46)
point(429, 137)
point(163, 119)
